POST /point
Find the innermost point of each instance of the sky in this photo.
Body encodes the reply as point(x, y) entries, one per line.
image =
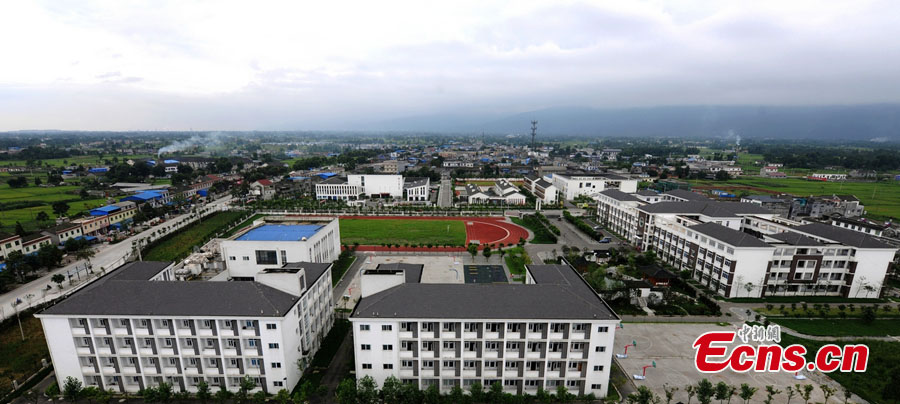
point(223, 65)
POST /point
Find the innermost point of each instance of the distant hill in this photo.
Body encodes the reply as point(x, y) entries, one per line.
point(858, 122)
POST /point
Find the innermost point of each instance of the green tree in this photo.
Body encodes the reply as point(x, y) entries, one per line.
point(243, 393)
point(562, 394)
point(223, 395)
point(691, 391)
point(868, 315)
point(643, 395)
point(89, 393)
point(827, 391)
point(60, 208)
point(721, 392)
point(487, 253)
point(495, 394)
point(203, 393)
point(669, 392)
point(182, 396)
point(473, 250)
point(58, 279)
point(42, 216)
point(771, 392)
point(432, 395)
point(747, 392)
point(346, 391)
point(790, 394)
point(37, 181)
point(164, 392)
point(71, 389)
point(705, 391)
point(20, 231)
point(805, 391)
point(390, 391)
point(476, 391)
point(260, 397)
point(366, 391)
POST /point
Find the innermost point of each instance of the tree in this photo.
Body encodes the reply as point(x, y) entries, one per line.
point(848, 394)
point(42, 216)
point(71, 389)
point(20, 231)
point(60, 208)
point(771, 392)
point(790, 394)
point(203, 393)
point(432, 395)
point(473, 250)
point(89, 393)
point(562, 394)
point(164, 392)
point(260, 397)
point(705, 391)
point(390, 391)
point(222, 396)
point(37, 181)
point(182, 396)
point(670, 393)
point(18, 182)
point(827, 391)
point(691, 391)
point(747, 392)
point(642, 396)
point(495, 394)
point(891, 390)
point(721, 175)
point(476, 390)
point(346, 392)
point(487, 253)
point(49, 257)
point(721, 392)
point(805, 391)
point(868, 315)
point(247, 384)
point(367, 391)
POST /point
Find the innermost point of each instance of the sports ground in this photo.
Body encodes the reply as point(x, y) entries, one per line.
point(444, 233)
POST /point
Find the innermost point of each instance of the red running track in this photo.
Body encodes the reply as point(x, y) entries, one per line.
point(486, 230)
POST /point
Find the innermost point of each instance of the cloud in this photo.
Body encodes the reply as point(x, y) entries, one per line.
point(235, 65)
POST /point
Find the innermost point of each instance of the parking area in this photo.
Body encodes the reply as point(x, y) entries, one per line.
point(670, 346)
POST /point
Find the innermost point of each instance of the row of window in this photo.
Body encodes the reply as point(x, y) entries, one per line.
point(491, 327)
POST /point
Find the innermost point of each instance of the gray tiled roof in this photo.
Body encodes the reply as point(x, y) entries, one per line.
point(412, 272)
point(314, 270)
point(728, 235)
point(120, 294)
point(412, 182)
point(707, 208)
point(559, 294)
point(685, 194)
point(619, 195)
point(841, 235)
point(138, 270)
point(792, 238)
point(647, 192)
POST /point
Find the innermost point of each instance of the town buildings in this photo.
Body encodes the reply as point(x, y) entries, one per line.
point(552, 331)
point(502, 192)
point(573, 185)
point(374, 186)
point(542, 189)
point(137, 327)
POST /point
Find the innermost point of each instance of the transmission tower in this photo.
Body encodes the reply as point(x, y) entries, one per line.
point(533, 133)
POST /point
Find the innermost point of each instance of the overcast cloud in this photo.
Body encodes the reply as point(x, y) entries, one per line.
point(209, 65)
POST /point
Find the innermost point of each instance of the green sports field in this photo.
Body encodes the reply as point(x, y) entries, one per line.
point(403, 232)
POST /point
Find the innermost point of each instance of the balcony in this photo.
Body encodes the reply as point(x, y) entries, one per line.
point(108, 370)
point(573, 374)
point(554, 355)
point(232, 371)
point(406, 354)
point(83, 350)
point(210, 351)
point(578, 335)
point(104, 350)
point(120, 331)
point(227, 332)
point(253, 371)
point(406, 334)
point(167, 351)
point(470, 335)
point(533, 354)
point(100, 331)
point(491, 354)
point(79, 331)
point(191, 370)
point(448, 372)
point(141, 331)
point(184, 332)
point(534, 335)
point(89, 369)
point(407, 373)
point(248, 332)
point(532, 373)
point(211, 370)
point(448, 353)
point(164, 331)
point(205, 332)
point(448, 334)
point(170, 370)
point(150, 370)
point(469, 373)
point(491, 335)
point(470, 354)
point(146, 351)
point(129, 370)
point(227, 351)
point(556, 335)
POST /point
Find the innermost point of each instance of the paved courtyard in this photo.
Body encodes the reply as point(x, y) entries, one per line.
point(669, 344)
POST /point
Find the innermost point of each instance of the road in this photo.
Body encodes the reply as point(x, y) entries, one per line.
point(445, 194)
point(107, 257)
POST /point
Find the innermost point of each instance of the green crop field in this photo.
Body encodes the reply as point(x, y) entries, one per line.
point(880, 198)
point(45, 195)
point(182, 242)
point(401, 232)
point(91, 160)
point(26, 216)
point(841, 328)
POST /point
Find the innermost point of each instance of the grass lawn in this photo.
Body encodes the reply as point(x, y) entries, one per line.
point(811, 311)
point(20, 358)
point(397, 231)
point(541, 234)
point(516, 258)
point(341, 265)
point(180, 244)
point(870, 385)
point(326, 353)
point(879, 198)
point(841, 328)
point(8, 218)
point(801, 299)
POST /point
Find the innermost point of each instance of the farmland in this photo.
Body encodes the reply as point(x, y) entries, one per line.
point(44, 195)
point(180, 244)
point(21, 358)
point(402, 232)
point(879, 198)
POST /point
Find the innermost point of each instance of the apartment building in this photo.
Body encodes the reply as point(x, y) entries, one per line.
point(502, 192)
point(272, 244)
point(117, 212)
point(136, 328)
point(416, 189)
point(542, 188)
point(33, 242)
point(745, 250)
point(93, 225)
point(554, 330)
point(373, 185)
point(63, 232)
point(573, 185)
point(9, 243)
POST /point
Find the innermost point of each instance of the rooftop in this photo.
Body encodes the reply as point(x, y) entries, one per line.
point(841, 235)
point(728, 235)
point(127, 292)
point(619, 195)
point(313, 269)
point(706, 208)
point(280, 232)
point(792, 238)
point(685, 194)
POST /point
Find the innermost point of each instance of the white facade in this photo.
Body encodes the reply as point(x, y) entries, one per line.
point(130, 351)
point(571, 186)
point(378, 184)
point(245, 258)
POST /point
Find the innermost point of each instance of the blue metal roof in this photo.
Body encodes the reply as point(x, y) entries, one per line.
point(99, 170)
point(170, 161)
point(104, 210)
point(326, 175)
point(280, 232)
point(143, 196)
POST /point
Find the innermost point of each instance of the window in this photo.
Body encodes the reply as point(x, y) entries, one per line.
point(273, 346)
point(595, 387)
point(276, 365)
point(168, 342)
point(232, 258)
point(271, 326)
point(254, 363)
point(386, 327)
point(173, 361)
point(365, 347)
point(367, 366)
point(600, 349)
point(283, 256)
point(266, 257)
point(278, 384)
point(603, 329)
point(387, 347)
point(598, 368)
point(246, 258)
point(251, 343)
point(186, 323)
point(388, 366)
point(249, 324)
point(364, 327)
point(469, 364)
point(406, 364)
point(449, 364)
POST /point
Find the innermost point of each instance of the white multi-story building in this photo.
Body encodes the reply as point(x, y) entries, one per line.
point(554, 330)
point(268, 244)
point(502, 192)
point(542, 188)
point(416, 189)
point(573, 185)
point(136, 328)
point(382, 185)
point(373, 185)
point(745, 250)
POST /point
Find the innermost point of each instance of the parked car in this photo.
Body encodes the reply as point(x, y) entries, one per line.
point(605, 240)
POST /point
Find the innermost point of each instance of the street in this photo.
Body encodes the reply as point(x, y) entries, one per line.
point(107, 257)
